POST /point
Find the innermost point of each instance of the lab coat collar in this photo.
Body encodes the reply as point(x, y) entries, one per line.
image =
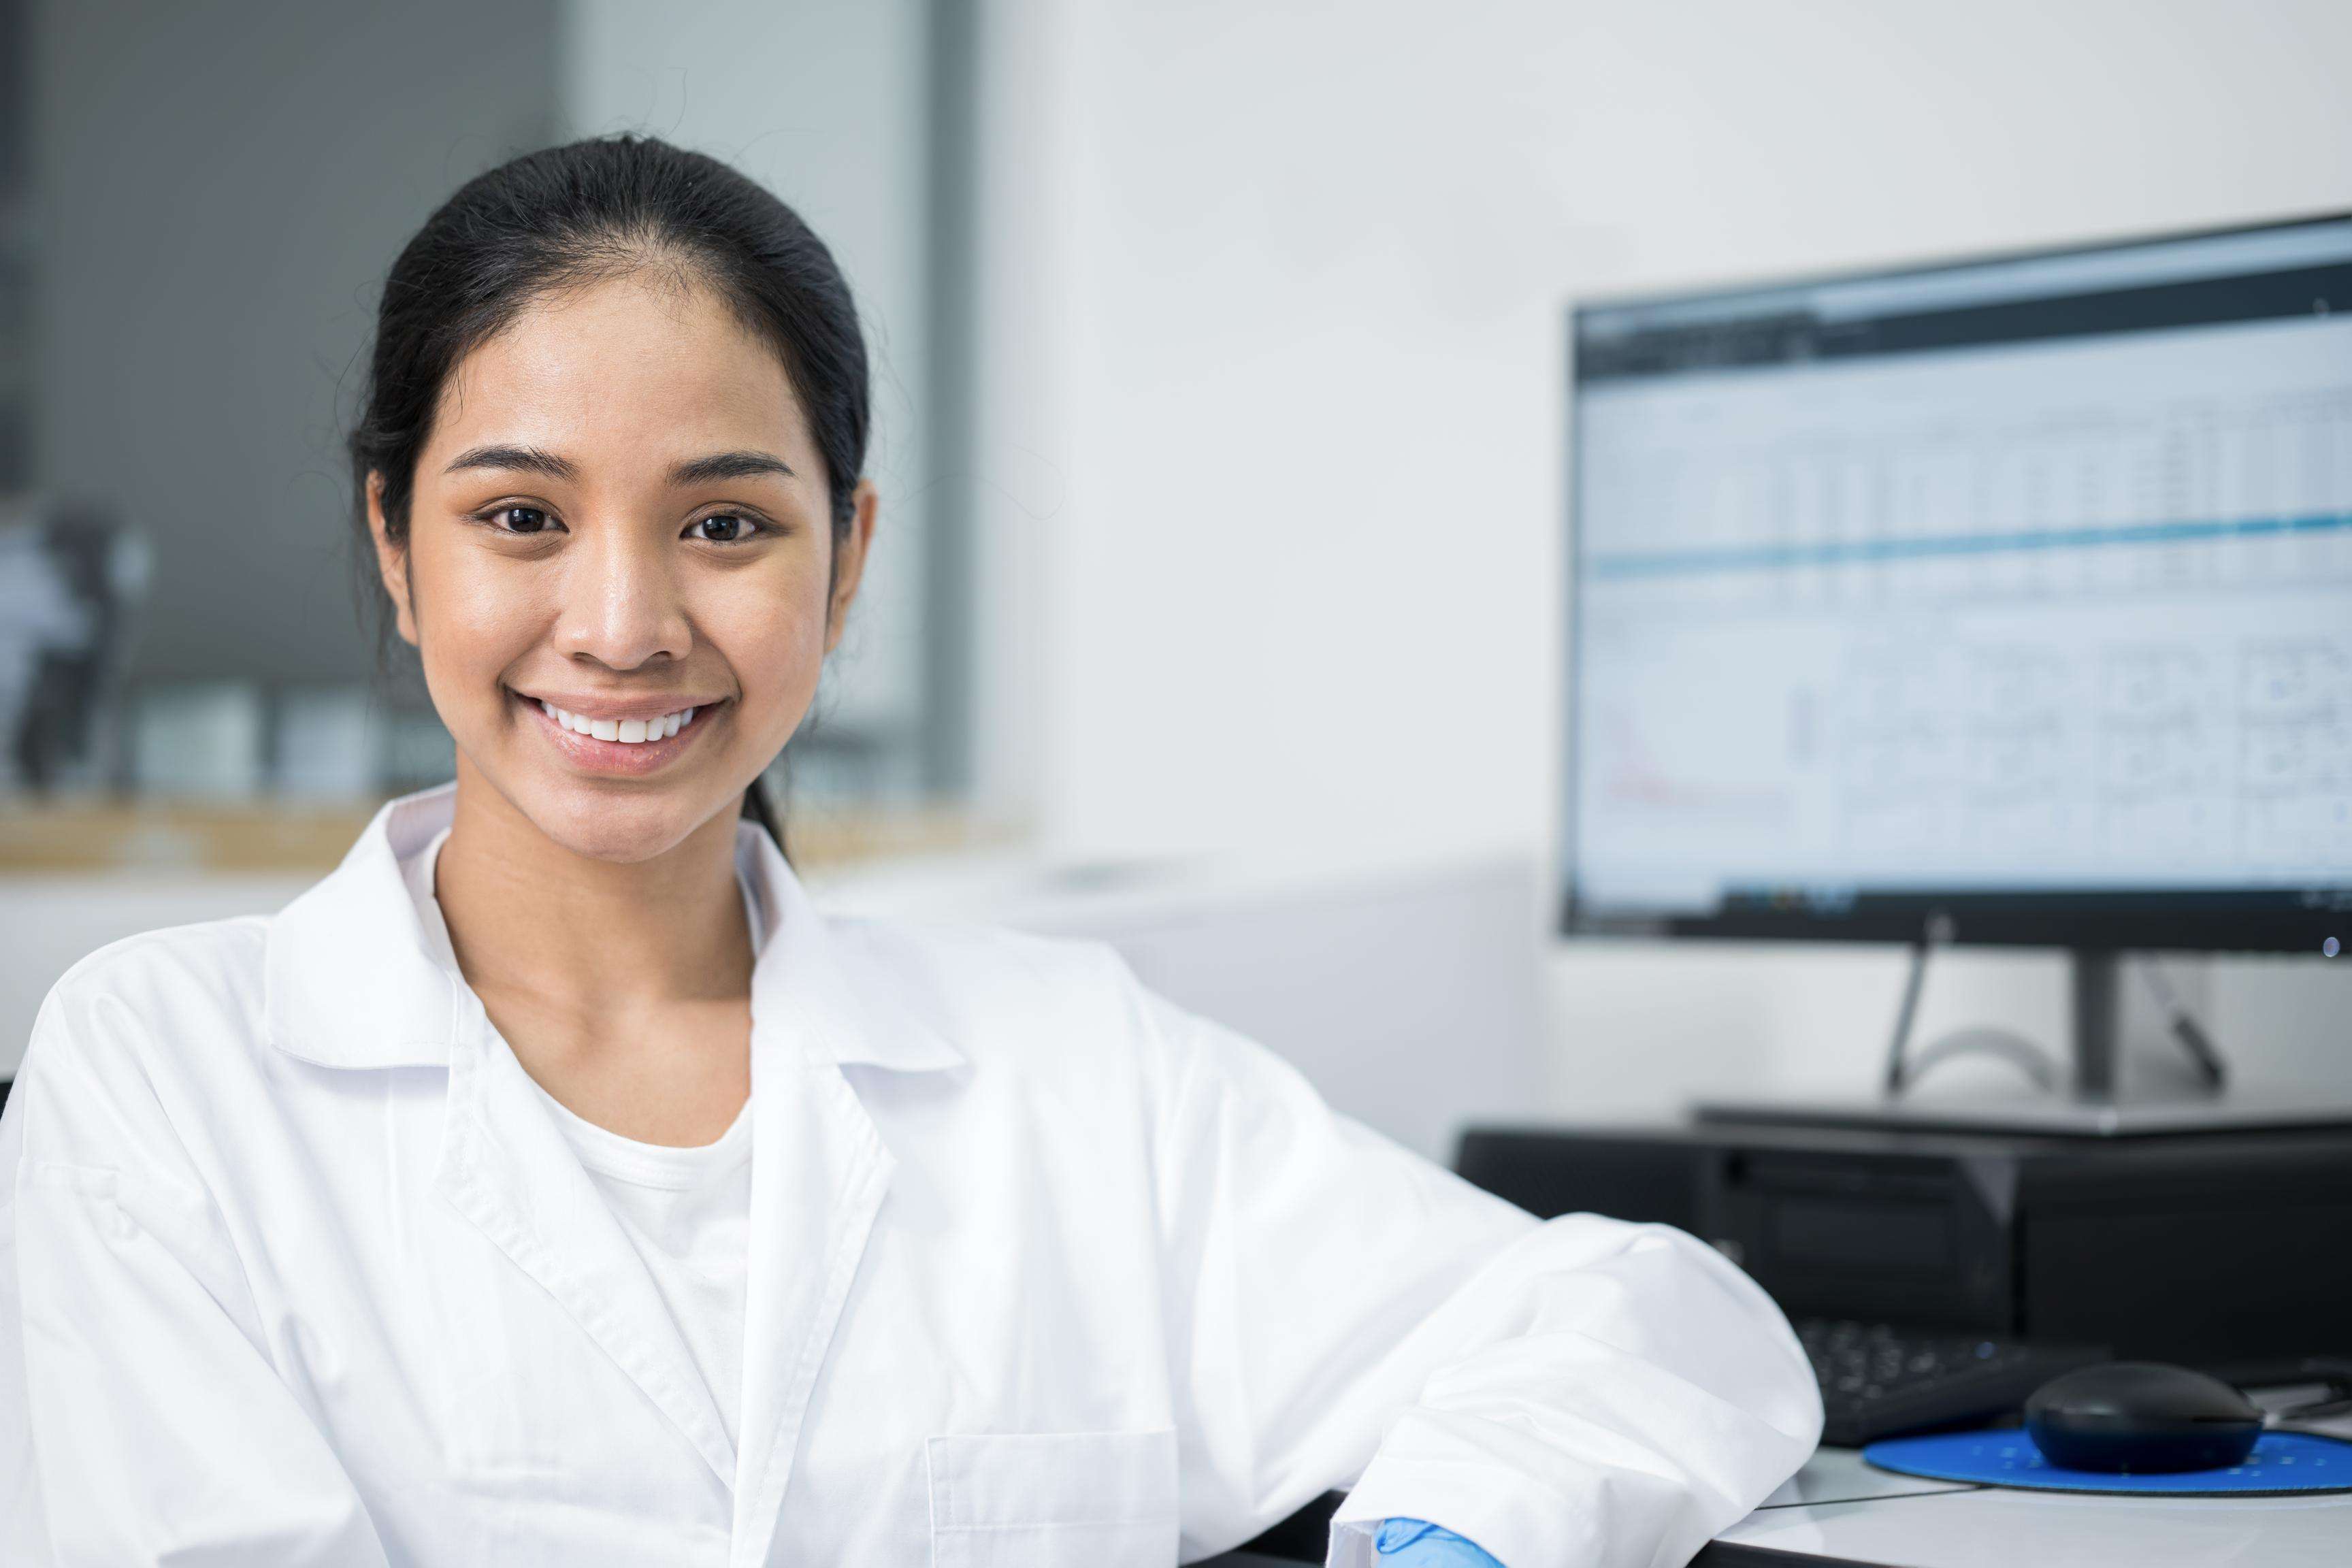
point(349, 981)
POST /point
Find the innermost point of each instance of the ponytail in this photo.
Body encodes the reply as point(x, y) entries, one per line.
point(757, 806)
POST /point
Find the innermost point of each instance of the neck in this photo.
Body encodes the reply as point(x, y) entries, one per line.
point(598, 940)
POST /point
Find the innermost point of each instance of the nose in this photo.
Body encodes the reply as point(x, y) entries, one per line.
point(622, 605)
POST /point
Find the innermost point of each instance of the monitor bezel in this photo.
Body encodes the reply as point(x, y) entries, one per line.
point(2245, 920)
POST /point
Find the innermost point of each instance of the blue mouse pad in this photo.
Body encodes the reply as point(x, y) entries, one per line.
point(2282, 1462)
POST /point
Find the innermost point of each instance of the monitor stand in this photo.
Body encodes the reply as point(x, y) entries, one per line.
point(2092, 1106)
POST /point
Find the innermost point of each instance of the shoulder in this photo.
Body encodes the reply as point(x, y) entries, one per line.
point(1069, 1007)
point(171, 978)
point(128, 1025)
point(969, 977)
point(1007, 998)
point(160, 972)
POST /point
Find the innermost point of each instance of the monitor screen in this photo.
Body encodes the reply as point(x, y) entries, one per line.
point(2019, 591)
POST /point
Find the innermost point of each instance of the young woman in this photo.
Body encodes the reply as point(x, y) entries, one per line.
point(552, 1184)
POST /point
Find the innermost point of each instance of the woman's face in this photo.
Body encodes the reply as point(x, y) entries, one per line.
point(621, 512)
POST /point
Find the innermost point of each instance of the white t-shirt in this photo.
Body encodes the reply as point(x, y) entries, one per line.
point(686, 1211)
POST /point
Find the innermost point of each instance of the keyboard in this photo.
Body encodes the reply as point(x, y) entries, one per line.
point(1881, 1381)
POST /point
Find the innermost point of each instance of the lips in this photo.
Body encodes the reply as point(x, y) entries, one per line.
point(667, 737)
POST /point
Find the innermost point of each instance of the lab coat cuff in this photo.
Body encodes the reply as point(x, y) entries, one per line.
point(1513, 1518)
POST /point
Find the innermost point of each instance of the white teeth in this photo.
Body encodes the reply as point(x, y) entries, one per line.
point(628, 731)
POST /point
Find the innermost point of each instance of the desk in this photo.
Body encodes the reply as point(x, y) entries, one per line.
point(1837, 1512)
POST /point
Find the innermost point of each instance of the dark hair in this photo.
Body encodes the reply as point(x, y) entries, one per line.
point(568, 217)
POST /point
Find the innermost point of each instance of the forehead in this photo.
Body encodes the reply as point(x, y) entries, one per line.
point(628, 370)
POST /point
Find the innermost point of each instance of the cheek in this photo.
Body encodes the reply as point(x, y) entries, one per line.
point(474, 619)
point(774, 641)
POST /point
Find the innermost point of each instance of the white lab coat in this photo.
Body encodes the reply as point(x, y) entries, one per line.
point(1044, 1270)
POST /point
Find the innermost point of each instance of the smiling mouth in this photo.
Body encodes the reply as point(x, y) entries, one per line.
point(620, 746)
point(626, 732)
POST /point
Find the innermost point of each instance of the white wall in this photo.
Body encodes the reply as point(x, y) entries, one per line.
point(1271, 297)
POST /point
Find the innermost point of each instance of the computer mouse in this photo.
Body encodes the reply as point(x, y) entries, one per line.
point(2141, 1417)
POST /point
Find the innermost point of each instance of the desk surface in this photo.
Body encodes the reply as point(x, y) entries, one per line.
point(1838, 1510)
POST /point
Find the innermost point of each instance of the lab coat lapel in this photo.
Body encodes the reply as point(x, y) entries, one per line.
point(819, 1173)
point(506, 1167)
point(350, 984)
point(820, 1169)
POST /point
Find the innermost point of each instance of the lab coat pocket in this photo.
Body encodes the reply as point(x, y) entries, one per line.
point(1053, 1499)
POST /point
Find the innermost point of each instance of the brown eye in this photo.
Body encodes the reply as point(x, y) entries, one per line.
point(522, 519)
point(726, 527)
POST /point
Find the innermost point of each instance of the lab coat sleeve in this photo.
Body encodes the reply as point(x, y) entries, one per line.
point(1343, 1313)
point(144, 1422)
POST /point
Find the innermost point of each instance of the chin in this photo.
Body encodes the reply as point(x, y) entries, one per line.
point(622, 826)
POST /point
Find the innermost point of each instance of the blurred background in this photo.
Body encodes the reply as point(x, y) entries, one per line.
point(1217, 606)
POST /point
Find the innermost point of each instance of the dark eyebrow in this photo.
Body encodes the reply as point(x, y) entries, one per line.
point(727, 466)
point(695, 472)
point(521, 459)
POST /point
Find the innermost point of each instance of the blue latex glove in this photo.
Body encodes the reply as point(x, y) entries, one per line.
point(1417, 1543)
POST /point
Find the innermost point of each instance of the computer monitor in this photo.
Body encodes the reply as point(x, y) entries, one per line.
point(2011, 597)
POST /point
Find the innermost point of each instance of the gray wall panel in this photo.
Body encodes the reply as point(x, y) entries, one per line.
point(220, 189)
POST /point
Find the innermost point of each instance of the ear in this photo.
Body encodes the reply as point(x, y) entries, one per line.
point(391, 561)
point(849, 563)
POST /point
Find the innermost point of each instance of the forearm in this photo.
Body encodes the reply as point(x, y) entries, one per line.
point(1620, 1395)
